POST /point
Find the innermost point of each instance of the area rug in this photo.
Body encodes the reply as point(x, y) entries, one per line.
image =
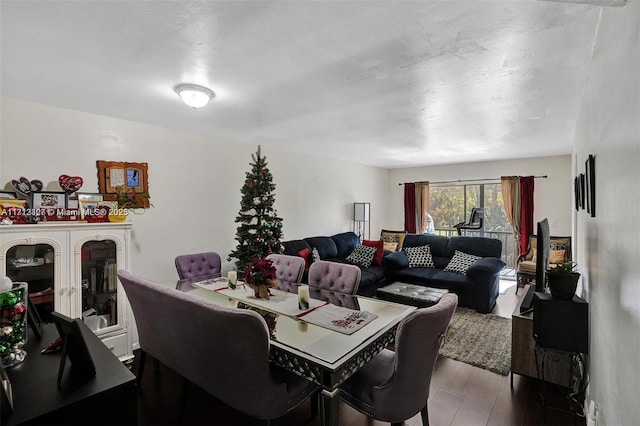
point(482, 340)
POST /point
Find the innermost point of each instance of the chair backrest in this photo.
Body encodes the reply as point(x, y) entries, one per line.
point(289, 270)
point(198, 265)
point(223, 350)
point(338, 277)
point(418, 341)
point(560, 249)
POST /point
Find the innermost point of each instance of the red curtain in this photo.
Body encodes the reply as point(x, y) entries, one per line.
point(526, 211)
point(410, 207)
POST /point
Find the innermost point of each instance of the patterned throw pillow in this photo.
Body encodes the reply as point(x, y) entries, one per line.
point(460, 262)
point(361, 256)
point(393, 237)
point(419, 257)
point(315, 255)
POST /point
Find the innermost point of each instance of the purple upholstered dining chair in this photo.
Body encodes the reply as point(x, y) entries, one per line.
point(333, 276)
point(223, 350)
point(198, 265)
point(394, 385)
point(289, 270)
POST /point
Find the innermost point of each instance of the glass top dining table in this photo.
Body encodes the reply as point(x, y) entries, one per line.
point(316, 352)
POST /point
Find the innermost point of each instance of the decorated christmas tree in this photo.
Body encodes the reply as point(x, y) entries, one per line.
point(260, 228)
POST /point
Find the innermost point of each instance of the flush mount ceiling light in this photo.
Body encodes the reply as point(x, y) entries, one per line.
point(193, 95)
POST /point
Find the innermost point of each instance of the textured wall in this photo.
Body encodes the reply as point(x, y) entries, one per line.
point(608, 245)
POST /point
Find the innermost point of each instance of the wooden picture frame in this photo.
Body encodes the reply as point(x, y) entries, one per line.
point(119, 180)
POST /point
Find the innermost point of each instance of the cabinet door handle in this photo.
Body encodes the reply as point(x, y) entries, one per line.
point(62, 290)
point(72, 290)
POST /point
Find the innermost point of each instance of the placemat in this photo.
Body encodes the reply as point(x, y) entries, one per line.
point(280, 302)
point(337, 318)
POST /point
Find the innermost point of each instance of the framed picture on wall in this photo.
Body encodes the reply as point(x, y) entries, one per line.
point(582, 191)
point(124, 182)
point(590, 177)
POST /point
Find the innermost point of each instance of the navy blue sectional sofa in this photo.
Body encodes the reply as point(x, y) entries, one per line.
point(477, 289)
point(336, 249)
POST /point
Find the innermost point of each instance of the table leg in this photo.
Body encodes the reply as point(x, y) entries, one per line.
point(329, 407)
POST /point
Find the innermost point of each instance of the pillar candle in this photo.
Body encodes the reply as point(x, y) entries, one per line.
point(303, 297)
point(232, 276)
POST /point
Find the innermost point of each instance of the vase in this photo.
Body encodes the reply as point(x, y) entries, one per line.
point(563, 286)
point(261, 292)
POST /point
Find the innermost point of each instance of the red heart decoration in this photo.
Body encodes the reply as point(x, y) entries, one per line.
point(70, 184)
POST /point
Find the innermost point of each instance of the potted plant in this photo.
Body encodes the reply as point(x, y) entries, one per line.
point(563, 280)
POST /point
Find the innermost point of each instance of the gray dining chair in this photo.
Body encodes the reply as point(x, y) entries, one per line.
point(394, 385)
point(198, 265)
point(289, 270)
point(333, 276)
point(223, 350)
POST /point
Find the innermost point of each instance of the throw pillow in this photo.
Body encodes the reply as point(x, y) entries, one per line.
point(361, 256)
point(419, 257)
point(556, 256)
point(379, 246)
point(390, 246)
point(393, 237)
point(315, 255)
point(460, 262)
point(305, 253)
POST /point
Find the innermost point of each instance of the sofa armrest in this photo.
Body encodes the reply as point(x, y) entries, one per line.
point(485, 266)
point(396, 260)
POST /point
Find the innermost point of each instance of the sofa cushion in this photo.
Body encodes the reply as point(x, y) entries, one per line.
point(396, 260)
point(345, 242)
point(361, 256)
point(379, 246)
point(477, 246)
point(326, 246)
point(460, 262)
point(419, 257)
point(294, 246)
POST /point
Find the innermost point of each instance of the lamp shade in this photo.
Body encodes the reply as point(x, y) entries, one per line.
point(194, 95)
point(361, 212)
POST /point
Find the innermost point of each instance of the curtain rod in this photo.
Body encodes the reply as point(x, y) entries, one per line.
point(473, 180)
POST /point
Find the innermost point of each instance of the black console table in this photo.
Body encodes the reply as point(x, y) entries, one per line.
point(109, 398)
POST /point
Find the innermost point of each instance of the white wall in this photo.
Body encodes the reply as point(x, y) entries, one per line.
point(608, 245)
point(194, 181)
point(552, 196)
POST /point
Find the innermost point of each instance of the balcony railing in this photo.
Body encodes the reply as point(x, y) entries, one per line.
point(507, 238)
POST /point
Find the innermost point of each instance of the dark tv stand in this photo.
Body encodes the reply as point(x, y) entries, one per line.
point(523, 348)
point(527, 302)
point(109, 398)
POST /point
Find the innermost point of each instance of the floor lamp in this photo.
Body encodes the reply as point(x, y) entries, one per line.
point(362, 220)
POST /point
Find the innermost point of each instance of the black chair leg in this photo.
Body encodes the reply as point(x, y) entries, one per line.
point(182, 399)
point(156, 365)
point(143, 359)
point(425, 416)
point(273, 422)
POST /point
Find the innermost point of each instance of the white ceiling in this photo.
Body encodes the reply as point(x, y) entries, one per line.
point(385, 83)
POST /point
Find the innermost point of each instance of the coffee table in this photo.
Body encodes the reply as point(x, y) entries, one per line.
point(411, 294)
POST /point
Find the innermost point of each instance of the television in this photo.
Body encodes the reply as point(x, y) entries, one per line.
point(543, 247)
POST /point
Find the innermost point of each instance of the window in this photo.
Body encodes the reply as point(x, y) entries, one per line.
point(452, 204)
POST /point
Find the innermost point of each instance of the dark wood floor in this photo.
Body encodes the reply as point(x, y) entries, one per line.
point(460, 395)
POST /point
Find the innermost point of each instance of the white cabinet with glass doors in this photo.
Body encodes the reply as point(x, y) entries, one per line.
point(71, 268)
